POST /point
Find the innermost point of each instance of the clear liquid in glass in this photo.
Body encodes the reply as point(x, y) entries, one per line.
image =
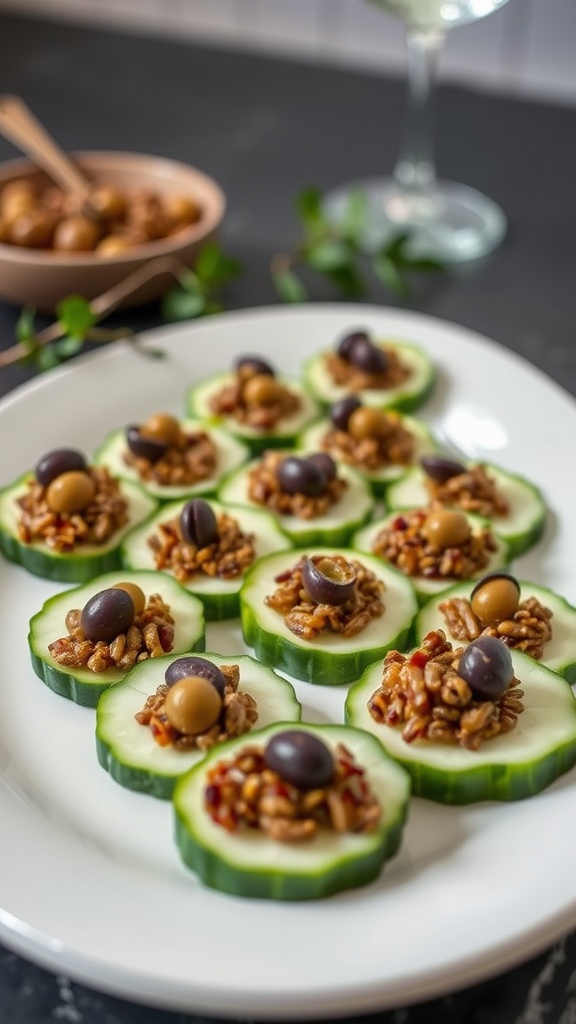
point(440, 14)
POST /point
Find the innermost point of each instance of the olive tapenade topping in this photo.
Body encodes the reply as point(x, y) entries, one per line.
point(161, 451)
point(199, 541)
point(255, 397)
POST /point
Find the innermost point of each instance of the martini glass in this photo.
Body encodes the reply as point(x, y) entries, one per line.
point(450, 221)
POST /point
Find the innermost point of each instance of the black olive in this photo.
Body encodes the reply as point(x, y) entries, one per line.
point(254, 364)
point(300, 758)
point(441, 469)
point(347, 343)
point(108, 614)
point(144, 447)
point(368, 357)
point(325, 463)
point(190, 666)
point(486, 665)
point(301, 476)
point(198, 523)
point(341, 411)
point(61, 460)
point(327, 581)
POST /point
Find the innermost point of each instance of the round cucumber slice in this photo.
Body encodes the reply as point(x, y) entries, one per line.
point(248, 863)
point(231, 453)
point(409, 395)
point(220, 597)
point(128, 751)
point(198, 403)
point(520, 528)
point(80, 684)
point(329, 659)
point(310, 440)
point(426, 588)
point(89, 560)
point(513, 766)
point(336, 527)
point(559, 652)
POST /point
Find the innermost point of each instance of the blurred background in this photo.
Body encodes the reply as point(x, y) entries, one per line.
point(528, 50)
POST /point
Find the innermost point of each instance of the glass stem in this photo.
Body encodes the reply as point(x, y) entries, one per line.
point(415, 169)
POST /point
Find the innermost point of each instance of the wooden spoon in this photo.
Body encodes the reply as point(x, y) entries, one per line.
point(18, 124)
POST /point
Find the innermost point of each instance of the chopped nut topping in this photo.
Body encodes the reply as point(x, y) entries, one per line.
point(423, 692)
point(264, 489)
point(403, 543)
point(194, 459)
point(63, 531)
point(239, 713)
point(151, 635)
point(243, 793)
point(235, 401)
point(307, 619)
point(528, 630)
point(370, 454)
point(227, 558)
point(345, 374)
point(472, 491)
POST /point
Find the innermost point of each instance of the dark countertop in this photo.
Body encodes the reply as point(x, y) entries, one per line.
point(264, 128)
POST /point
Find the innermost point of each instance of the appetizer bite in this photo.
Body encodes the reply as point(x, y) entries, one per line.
point(255, 404)
point(166, 714)
point(478, 722)
point(83, 641)
point(66, 520)
point(324, 615)
point(293, 813)
point(314, 499)
point(381, 372)
point(172, 458)
point(207, 546)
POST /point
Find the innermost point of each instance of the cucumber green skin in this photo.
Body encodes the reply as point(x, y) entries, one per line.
point(256, 443)
point(217, 869)
point(312, 664)
point(430, 618)
point(518, 543)
point(217, 606)
point(494, 781)
point(155, 783)
point(405, 400)
point(87, 692)
point(52, 565)
point(380, 481)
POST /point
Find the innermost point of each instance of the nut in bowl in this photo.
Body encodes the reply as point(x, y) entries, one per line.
point(163, 209)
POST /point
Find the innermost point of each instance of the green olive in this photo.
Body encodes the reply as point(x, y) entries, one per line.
point(76, 234)
point(261, 389)
point(71, 492)
point(495, 598)
point(138, 596)
point(446, 528)
point(32, 228)
point(193, 705)
point(368, 422)
point(114, 245)
point(108, 202)
point(162, 427)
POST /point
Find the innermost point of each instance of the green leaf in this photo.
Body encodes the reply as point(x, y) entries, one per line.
point(180, 304)
point(75, 315)
point(309, 207)
point(327, 255)
point(395, 248)
point(388, 273)
point(68, 346)
point(214, 268)
point(354, 216)
point(25, 328)
point(289, 286)
point(425, 265)
point(47, 358)
point(347, 280)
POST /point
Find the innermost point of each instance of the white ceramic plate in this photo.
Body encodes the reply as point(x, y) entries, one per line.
point(90, 882)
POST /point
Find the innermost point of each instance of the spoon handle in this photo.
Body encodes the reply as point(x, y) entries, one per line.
point(19, 125)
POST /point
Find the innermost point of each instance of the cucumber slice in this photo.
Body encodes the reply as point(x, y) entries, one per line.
point(128, 751)
point(231, 454)
point(248, 863)
point(336, 527)
point(513, 766)
point(220, 597)
point(560, 650)
point(521, 528)
point(329, 659)
point(198, 401)
point(410, 395)
point(80, 684)
point(426, 588)
point(89, 560)
point(310, 440)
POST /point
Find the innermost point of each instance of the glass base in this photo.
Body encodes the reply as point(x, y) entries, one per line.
point(452, 223)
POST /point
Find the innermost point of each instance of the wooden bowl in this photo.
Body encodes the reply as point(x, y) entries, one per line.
point(41, 277)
